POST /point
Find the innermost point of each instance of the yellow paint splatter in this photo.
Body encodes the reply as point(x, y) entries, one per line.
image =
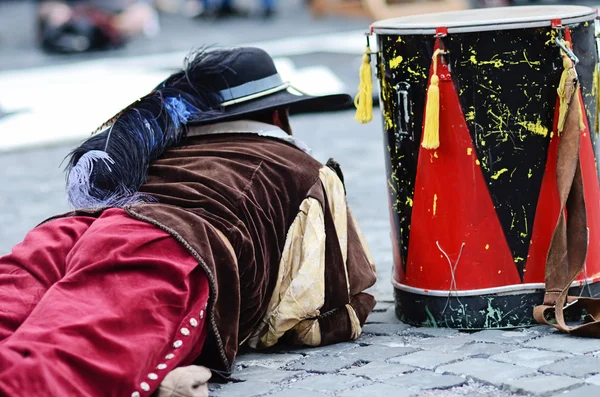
point(394, 63)
point(512, 223)
point(529, 174)
point(470, 116)
point(519, 259)
point(399, 39)
point(477, 162)
point(488, 88)
point(409, 201)
point(434, 203)
point(482, 142)
point(416, 73)
point(552, 34)
point(473, 60)
point(469, 151)
point(525, 218)
point(523, 235)
point(497, 63)
point(389, 123)
point(392, 187)
point(500, 172)
point(435, 155)
point(527, 61)
point(487, 246)
point(536, 128)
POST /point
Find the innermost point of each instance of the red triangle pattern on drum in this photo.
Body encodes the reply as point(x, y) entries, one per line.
point(452, 209)
point(592, 200)
point(549, 205)
point(546, 214)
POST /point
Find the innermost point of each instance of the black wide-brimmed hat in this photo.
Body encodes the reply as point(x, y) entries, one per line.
point(251, 84)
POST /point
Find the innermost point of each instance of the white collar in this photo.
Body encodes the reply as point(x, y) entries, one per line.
point(247, 127)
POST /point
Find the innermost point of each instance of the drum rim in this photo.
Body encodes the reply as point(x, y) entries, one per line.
point(505, 289)
point(384, 27)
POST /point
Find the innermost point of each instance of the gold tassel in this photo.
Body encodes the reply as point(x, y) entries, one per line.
point(364, 99)
point(562, 95)
point(431, 131)
point(567, 74)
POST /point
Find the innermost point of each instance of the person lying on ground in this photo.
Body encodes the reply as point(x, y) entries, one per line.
point(201, 225)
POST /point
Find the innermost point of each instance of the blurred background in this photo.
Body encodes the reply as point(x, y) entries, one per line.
point(66, 67)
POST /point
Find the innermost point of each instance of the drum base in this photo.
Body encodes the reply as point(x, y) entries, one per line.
point(477, 312)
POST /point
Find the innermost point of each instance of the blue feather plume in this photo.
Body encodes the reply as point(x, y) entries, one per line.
point(109, 168)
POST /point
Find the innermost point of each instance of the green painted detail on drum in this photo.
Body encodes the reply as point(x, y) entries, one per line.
point(495, 311)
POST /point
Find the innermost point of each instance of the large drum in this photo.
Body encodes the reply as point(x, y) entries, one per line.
point(473, 213)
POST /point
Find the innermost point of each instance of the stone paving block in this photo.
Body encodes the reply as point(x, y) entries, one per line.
point(264, 374)
point(298, 393)
point(272, 361)
point(434, 332)
point(376, 390)
point(426, 359)
point(389, 341)
point(386, 317)
point(442, 344)
point(501, 336)
point(481, 349)
point(541, 330)
point(594, 380)
point(584, 391)
point(385, 329)
point(426, 380)
point(541, 385)
point(328, 350)
point(376, 353)
point(531, 358)
point(565, 343)
point(322, 363)
point(470, 389)
point(378, 371)
point(487, 371)
point(330, 383)
point(579, 367)
point(243, 389)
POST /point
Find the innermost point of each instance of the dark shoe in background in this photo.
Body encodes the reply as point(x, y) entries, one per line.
point(89, 29)
point(231, 12)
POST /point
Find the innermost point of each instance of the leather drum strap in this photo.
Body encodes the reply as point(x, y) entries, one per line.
point(568, 248)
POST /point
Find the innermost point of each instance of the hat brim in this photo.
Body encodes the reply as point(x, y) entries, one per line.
point(290, 98)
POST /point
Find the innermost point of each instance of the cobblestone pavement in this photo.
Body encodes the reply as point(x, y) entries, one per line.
point(390, 358)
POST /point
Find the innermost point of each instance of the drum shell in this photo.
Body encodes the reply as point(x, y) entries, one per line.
point(506, 82)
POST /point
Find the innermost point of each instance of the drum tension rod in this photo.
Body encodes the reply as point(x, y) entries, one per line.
point(561, 43)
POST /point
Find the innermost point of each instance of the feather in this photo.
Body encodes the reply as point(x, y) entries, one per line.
point(109, 168)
